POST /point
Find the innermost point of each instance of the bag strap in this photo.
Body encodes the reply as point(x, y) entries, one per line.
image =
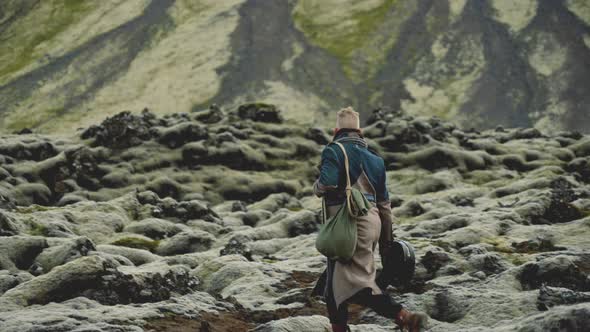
point(348, 186)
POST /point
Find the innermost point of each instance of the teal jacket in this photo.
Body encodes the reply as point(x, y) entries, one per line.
point(332, 181)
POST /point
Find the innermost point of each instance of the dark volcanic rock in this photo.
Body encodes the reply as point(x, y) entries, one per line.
point(61, 254)
point(7, 225)
point(306, 225)
point(559, 271)
point(560, 209)
point(448, 306)
point(434, 260)
point(237, 245)
point(36, 149)
point(234, 155)
point(22, 250)
point(553, 296)
point(260, 112)
point(122, 130)
point(101, 280)
point(180, 134)
point(185, 242)
point(318, 135)
point(489, 263)
point(212, 115)
point(582, 167)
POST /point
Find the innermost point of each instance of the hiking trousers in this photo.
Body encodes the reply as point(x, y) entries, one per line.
point(382, 304)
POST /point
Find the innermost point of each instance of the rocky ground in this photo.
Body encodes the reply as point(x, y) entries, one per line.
point(205, 221)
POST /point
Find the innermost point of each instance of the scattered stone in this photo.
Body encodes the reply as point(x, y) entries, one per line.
point(554, 296)
point(558, 271)
point(448, 306)
point(210, 116)
point(237, 245)
point(185, 242)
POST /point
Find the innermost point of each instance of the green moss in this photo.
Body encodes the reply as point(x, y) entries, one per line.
point(342, 44)
point(500, 244)
point(63, 14)
point(18, 121)
point(34, 208)
point(280, 164)
point(38, 229)
point(137, 243)
point(516, 259)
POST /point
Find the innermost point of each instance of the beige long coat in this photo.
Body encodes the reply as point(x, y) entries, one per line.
point(359, 273)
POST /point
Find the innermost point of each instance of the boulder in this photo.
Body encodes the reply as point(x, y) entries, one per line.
point(558, 271)
point(185, 242)
point(260, 112)
point(22, 250)
point(181, 134)
point(63, 282)
point(448, 306)
point(11, 279)
point(554, 296)
point(237, 245)
point(154, 228)
point(234, 155)
point(61, 254)
point(489, 263)
point(8, 226)
point(136, 256)
point(213, 115)
point(121, 131)
point(35, 149)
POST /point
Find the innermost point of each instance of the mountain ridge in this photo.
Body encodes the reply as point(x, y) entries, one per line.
point(478, 63)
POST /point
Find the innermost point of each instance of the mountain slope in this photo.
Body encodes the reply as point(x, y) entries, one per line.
point(68, 63)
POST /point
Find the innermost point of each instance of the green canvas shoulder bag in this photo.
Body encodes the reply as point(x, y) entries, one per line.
point(337, 236)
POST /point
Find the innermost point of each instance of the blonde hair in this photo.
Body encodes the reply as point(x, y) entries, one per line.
point(347, 118)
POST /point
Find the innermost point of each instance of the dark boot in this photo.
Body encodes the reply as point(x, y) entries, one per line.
point(411, 322)
point(340, 328)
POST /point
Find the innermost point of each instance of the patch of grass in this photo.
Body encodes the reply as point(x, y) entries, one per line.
point(137, 243)
point(342, 44)
point(38, 229)
point(63, 14)
point(18, 121)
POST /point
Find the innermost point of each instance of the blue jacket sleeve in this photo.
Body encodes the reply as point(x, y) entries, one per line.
point(385, 213)
point(329, 172)
point(382, 193)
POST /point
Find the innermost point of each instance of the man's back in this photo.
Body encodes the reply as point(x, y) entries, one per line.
point(367, 170)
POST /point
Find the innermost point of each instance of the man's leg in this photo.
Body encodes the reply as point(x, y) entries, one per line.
point(338, 316)
point(385, 306)
point(382, 304)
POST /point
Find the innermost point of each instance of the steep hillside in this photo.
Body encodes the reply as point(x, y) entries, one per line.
point(69, 63)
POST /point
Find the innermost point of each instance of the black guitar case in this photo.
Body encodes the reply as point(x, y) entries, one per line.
point(398, 266)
